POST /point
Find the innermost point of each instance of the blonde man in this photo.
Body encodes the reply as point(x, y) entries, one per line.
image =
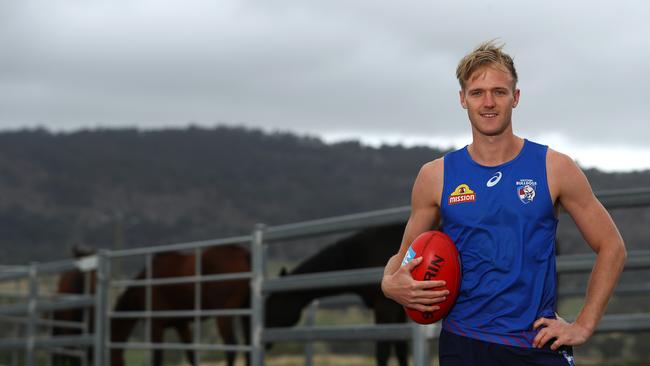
point(505, 313)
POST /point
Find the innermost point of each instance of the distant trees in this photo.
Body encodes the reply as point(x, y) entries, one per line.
point(134, 187)
point(129, 187)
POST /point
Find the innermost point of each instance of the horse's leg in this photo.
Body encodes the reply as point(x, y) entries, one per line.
point(157, 332)
point(401, 347)
point(401, 352)
point(246, 325)
point(185, 335)
point(387, 311)
point(384, 313)
point(382, 352)
point(117, 357)
point(228, 335)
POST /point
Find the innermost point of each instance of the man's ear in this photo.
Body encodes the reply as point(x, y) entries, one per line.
point(463, 102)
point(515, 100)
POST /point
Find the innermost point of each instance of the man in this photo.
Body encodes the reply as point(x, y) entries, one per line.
point(505, 232)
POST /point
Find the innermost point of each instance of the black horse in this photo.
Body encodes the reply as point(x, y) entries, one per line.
point(368, 248)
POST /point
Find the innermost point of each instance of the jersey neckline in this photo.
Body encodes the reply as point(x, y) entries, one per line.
point(519, 154)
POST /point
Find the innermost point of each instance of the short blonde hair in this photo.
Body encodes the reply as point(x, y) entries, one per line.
point(487, 53)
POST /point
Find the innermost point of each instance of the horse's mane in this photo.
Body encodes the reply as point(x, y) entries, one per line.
point(72, 282)
point(368, 248)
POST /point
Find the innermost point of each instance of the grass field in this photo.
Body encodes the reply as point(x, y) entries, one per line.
point(338, 360)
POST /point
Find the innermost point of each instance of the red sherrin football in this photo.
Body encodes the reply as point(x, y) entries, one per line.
point(440, 261)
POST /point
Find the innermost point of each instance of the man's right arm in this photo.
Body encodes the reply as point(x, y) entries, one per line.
point(397, 283)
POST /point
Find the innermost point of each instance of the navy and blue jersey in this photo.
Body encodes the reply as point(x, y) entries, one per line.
point(503, 222)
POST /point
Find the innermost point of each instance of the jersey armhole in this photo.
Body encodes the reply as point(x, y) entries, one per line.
point(554, 210)
point(442, 190)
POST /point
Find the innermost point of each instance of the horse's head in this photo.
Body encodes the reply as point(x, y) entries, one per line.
point(80, 251)
point(283, 309)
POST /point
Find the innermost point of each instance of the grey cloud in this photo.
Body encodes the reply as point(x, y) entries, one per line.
point(320, 66)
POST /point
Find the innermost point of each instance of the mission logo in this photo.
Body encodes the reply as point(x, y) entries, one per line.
point(462, 194)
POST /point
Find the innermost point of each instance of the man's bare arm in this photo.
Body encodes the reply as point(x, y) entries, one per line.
point(397, 282)
point(599, 231)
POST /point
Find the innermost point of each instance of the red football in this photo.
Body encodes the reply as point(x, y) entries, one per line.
point(440, 261)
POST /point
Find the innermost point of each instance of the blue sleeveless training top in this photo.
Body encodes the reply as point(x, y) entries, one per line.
point(503, 222)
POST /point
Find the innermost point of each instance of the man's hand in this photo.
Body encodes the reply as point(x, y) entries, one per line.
point(418, 295)
point(569, 334)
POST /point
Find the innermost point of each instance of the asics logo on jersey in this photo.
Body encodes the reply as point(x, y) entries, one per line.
point(494, 180)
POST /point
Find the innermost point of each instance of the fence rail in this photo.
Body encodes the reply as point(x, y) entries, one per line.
point(28, 308)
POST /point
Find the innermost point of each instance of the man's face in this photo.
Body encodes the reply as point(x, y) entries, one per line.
point(489, 97)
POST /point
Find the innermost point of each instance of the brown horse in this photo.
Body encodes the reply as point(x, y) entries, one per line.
point(215, 295)
point(73, 282)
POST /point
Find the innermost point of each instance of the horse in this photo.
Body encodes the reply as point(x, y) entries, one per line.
point(368, 248)
point(74, 282)
point(214, 295)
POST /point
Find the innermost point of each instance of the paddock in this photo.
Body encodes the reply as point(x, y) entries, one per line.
point(27, 300)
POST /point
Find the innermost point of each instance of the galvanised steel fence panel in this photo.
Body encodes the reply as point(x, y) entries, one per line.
point(27, 308)
point(30, 310)
point(612, 199)
point(149, 314)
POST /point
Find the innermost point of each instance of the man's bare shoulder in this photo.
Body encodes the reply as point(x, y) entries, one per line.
point(558, 163)
point(434, 169)
point(564, 175)
point(428, 185)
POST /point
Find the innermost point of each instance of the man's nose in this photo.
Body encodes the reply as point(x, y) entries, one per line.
point(488, 101)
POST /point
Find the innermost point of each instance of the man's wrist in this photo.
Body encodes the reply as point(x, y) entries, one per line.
point(587, 325)
point(383, 284)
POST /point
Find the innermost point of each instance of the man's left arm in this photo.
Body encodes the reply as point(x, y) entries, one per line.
point(574, 193)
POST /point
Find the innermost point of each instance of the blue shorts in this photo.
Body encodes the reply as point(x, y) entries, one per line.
point(456, 350)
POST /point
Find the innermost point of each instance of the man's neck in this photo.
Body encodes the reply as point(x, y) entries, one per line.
point(495, 150)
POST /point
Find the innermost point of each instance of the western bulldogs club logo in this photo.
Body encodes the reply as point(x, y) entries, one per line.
point(526, 190)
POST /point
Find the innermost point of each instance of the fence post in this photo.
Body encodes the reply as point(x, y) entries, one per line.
point(101, 313)
point(198, 273)
point(30, 357)
point(148, 308)
point(420, 345)
point(257, 298)
point(311, 321)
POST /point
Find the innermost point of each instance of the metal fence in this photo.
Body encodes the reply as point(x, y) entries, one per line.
point(30, 309)
point(149, 313)
point(418, 334)
point(24, 307)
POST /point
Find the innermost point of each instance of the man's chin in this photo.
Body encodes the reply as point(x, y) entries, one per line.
point(498, 129)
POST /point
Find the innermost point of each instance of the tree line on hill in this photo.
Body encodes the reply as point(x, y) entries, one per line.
point(118, 188)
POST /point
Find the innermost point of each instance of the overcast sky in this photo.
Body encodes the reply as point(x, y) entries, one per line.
point(380, 71)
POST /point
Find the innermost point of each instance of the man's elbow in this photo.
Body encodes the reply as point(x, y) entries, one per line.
point(622, 253)
point(618, 255)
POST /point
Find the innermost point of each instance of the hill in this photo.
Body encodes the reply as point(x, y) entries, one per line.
point(127, 187)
